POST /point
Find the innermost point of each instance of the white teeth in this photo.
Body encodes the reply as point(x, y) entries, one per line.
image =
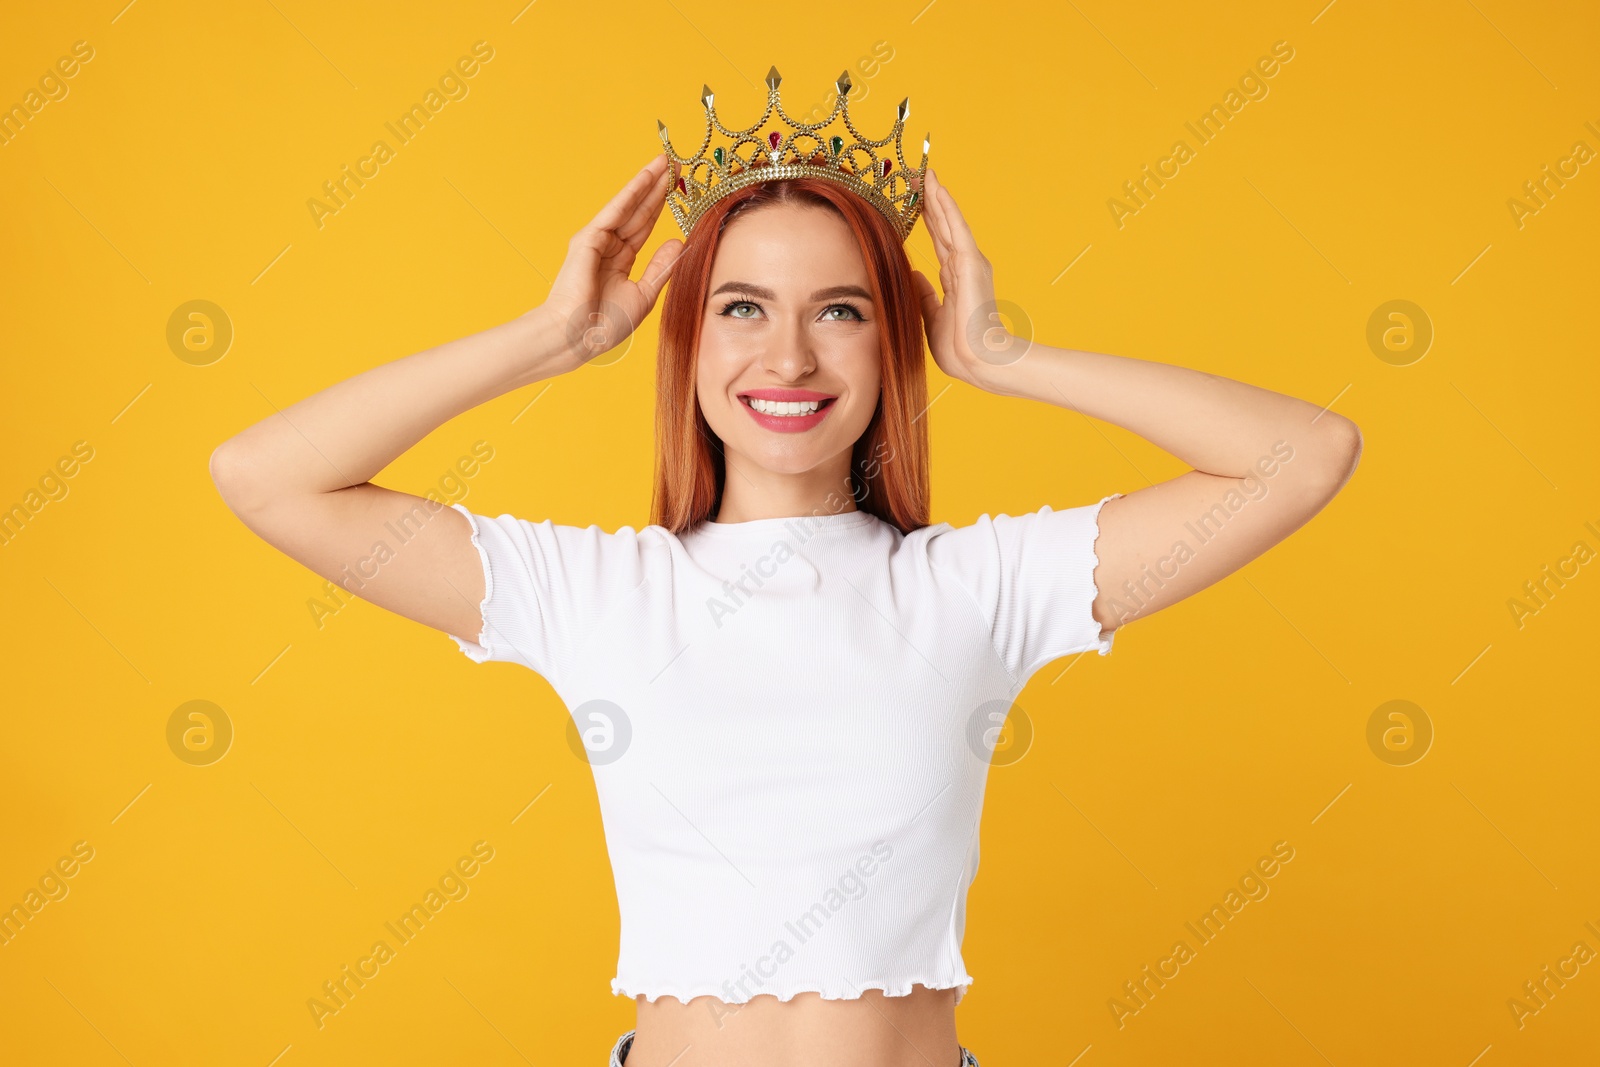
point(784, 407)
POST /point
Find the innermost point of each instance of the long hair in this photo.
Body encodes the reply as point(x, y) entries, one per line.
point(889, 463)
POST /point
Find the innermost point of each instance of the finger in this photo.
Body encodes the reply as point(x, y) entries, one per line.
point(621, 246)
point(960, 234)
point(937, 226)
point(658, 270)
point(598, 250)
point(921, 286)
point(584, 254)
point(612, 253)
point(645, 213)
point(927, 299)
point(621, 206)
point(948, 260)
point(928, 218)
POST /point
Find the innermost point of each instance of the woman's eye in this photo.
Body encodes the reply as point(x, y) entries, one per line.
point(733, 310)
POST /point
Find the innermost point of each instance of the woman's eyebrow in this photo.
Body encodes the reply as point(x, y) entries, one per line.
point(767, 294)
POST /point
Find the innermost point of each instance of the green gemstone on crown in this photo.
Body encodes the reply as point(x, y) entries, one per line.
point(835, 144)
point(716, 154)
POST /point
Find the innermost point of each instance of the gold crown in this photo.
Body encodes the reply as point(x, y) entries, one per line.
point(883, 182)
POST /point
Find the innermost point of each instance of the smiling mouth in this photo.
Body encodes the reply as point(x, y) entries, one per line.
point(782, 408)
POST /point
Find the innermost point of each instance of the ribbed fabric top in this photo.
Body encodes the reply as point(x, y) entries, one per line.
point(788, 724)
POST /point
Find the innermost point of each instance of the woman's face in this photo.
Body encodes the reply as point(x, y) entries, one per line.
point(789, 325)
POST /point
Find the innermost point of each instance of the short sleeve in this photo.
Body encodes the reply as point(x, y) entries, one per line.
point(1033, 579)
point(544, 588)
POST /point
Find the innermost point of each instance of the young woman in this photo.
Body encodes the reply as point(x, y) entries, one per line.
point(790, 672)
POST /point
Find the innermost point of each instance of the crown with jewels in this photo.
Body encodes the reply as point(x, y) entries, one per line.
point(800, 151)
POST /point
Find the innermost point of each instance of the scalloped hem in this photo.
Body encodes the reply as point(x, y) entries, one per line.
point(889, 989)
point(478, 651)
point(1103, 640)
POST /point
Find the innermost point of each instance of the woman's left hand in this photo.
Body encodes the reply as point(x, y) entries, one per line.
point(965, 334)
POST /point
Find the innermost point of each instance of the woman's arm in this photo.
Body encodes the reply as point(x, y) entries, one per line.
point(301, 478)
point(1264, 463)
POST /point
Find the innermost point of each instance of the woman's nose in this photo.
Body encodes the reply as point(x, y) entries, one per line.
point(791, 353)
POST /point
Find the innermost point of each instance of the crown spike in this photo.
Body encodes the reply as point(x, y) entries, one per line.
point(705, 96)
point(904, 109)
point(843, 84)
point(774, 79)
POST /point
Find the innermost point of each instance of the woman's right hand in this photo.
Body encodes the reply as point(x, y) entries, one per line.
point(592, 301)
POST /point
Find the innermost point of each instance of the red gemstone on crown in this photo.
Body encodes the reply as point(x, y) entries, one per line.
point(883, 168)
point(773, 138)
point(681, 189)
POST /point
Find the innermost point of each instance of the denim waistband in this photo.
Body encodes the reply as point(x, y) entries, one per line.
point(619, 1052)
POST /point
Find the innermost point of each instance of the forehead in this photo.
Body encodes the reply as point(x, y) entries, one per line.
point(782, 245)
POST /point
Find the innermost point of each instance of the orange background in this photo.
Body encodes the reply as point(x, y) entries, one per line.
point(368, 755)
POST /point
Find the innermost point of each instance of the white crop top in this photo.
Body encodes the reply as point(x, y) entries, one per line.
point(786, 721)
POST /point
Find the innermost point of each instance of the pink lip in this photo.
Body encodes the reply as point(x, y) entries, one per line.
point(786, 394)
point(788, 423)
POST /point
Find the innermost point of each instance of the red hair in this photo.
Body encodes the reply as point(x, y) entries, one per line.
point(889, 463)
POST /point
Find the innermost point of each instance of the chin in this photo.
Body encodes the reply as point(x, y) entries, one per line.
point(787, 460)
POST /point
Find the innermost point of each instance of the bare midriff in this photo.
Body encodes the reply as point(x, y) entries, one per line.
point(873, 1030)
